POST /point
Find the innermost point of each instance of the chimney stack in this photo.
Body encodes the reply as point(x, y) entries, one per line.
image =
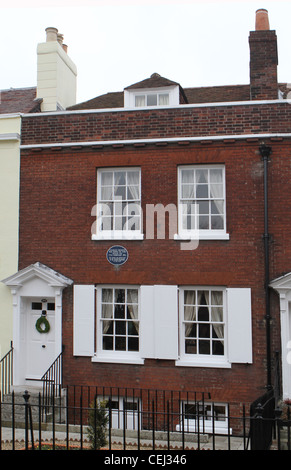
point(56, 73)
point(263, 59)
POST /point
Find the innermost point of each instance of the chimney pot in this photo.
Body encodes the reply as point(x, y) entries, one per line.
point(262, 20)
point(51, 34)
point(60, 38)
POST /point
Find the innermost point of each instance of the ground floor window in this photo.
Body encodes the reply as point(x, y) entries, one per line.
point(203, 322)
point(125, 412)
point(211, 417)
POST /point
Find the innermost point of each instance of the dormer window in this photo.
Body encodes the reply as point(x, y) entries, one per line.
point(154, 91)
point(152, 99)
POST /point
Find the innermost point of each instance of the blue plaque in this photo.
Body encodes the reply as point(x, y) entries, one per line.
point(117, 255)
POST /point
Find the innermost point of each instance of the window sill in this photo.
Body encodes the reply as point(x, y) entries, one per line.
point(219, 364)
point(118, 360)
point(118, 236)
point(204, 428)
point(202, 236)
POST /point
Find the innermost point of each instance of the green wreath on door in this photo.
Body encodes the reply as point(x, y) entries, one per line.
point(42, 325)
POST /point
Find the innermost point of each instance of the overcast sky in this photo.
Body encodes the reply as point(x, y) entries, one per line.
point(115, 43)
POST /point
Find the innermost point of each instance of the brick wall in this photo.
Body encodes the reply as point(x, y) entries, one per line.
point(58, 191)
point(160, 123)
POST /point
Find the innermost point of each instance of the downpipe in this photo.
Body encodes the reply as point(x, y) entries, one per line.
point(265, 152)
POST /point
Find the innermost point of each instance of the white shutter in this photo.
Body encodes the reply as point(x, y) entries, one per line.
point(159, 322)
point(239, 325)
point(84, 309)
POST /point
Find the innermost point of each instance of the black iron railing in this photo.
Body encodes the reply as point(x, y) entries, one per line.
point(146, 424)
point(6, 372)
point(52, 383)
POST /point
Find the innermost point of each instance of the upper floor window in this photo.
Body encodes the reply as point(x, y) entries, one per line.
point(202, 201)
point(146, 97)
point(118, 204)
point(152, 99)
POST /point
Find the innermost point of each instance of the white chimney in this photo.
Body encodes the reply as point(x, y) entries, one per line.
point(56, 73)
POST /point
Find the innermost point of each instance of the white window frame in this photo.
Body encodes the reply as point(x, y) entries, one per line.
point(202, 360)
point(115, 234)
point(206, 422)
point(102, 355)
point(202, 234)
point(119, 413)
point(172, 91)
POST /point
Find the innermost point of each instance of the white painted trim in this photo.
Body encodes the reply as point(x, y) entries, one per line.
point(12, 136)
point(10, 116)
point(180, 106)
point(157, 140)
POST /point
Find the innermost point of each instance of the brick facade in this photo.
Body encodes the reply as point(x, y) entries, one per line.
point(58, 189)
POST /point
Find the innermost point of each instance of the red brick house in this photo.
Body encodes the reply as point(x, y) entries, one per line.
point(154, 237)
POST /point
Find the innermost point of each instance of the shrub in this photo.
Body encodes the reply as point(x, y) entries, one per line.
point(97, 424)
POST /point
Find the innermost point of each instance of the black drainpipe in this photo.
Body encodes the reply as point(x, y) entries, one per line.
point(265, 152)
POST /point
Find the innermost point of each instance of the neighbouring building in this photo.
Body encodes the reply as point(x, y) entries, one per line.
point(55, 89)
point(154, 246)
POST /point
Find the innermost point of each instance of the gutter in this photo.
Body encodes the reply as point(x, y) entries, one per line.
point(166, 140)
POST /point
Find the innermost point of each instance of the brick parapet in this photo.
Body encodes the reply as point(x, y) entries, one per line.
point(184, 121)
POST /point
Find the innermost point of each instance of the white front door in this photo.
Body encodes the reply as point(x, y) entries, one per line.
point(40, 340)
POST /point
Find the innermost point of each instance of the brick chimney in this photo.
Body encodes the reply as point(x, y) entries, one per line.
point(56, 73)
point(263, 59)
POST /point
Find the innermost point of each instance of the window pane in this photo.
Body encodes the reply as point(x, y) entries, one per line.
point(216, 298)
point(202, 191)
point(36, 306)
point(216, 191)
point(106, 178)
point(190, 330)
point(217, 222)
point(215, 175)
point(187, 176)
point(120, 328)
point(204, 347)
point(217, 207)
point(119, 295)
point(218, 348)
point(132, 296)
point(140, 100)
point(203, 207)
point(120, 343)
point(201, 176)
point(119, 311)
point(106, 193)
point(107, 295)
point(164, 99)
point(108, 343)
point(190, 346)
point(132, 328)
point(152, 100)
point(107, 311)
point(204, 222)
point(133, 344)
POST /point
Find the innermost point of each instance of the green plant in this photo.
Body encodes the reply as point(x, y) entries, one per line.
point(97, 424)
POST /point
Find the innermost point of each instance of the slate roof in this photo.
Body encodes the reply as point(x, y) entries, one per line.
point(19, 100)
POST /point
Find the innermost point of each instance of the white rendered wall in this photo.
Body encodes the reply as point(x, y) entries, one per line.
point(9, 210)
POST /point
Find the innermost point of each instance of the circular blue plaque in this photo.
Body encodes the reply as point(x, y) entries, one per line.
point(117, 255)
